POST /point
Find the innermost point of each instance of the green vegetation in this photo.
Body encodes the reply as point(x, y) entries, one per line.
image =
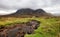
point(49, 27)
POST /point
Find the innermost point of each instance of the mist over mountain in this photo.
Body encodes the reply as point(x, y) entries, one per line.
point(27, 12)
point(10, 6)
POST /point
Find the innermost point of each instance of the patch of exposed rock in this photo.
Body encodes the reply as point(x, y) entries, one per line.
point(19, 30)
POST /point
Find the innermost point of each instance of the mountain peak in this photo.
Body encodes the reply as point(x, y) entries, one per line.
point(28, 12)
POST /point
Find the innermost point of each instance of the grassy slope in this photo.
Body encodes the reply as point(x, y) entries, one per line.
point(48, 27)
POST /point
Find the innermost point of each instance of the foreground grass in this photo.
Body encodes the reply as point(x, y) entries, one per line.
point(48, 28)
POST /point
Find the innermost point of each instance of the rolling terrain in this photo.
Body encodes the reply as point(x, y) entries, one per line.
point(49, 27)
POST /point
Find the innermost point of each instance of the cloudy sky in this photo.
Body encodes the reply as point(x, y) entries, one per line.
point(10, 6)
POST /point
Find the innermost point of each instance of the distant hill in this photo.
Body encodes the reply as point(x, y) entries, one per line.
point(27, 12)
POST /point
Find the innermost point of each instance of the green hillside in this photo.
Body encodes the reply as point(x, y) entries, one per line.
point(49, 27)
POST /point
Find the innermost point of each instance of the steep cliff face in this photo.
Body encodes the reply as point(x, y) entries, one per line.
point(27, 12)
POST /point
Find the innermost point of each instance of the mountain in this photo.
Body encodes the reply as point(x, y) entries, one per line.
point(27, 12)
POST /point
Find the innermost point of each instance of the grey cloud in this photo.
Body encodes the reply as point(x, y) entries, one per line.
point(34, 4)
point(16, 4)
